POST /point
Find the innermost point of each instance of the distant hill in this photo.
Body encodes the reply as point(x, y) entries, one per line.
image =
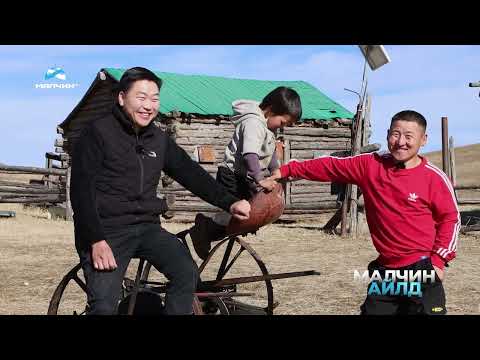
point(467, 163)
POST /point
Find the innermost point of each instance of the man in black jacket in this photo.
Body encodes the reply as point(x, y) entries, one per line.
point(116, 168)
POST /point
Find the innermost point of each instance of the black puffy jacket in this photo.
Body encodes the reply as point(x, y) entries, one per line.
point(115, 175)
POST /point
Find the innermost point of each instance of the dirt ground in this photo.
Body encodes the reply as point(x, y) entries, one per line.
point(36, 252)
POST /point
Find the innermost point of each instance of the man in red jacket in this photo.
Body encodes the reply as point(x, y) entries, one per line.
point(410, 207)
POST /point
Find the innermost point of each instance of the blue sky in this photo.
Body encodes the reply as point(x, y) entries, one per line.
point(430, 79)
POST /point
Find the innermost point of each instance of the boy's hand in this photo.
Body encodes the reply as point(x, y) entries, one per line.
point(276, 175)
point(240, 210)
point(268, 183)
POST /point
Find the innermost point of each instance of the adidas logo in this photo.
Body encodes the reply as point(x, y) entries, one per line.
point(412, 197)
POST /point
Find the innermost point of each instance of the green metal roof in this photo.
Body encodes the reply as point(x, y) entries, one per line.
point(213, 95)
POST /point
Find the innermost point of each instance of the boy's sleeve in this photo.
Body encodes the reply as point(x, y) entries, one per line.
point(274, 163)
point(447, 218)
point(329, 168)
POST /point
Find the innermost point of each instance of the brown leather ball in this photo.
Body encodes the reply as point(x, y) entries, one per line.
point(266, 207)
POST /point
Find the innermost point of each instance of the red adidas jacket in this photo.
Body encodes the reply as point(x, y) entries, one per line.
point(411, 213)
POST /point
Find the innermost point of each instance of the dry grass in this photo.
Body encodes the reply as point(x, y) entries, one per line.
point(36, 252)
point(467, 163)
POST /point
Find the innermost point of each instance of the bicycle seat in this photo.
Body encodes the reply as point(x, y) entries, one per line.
point(266, 207)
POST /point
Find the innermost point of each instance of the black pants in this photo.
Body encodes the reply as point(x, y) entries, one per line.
point(160, 248)
point(432, 301)
point(236, 184)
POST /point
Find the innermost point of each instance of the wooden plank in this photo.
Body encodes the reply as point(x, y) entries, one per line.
point(31, 170)
point(286, 159)
point(206, 126)
point(204, 134)
point(31, 200)
point(468, 201)
point(29, 190)
point(467, 187)
point(309, 154)
point(316, 206)
point(320, 139)
point(201, 121)
point(310, 189)
point(181, 206)
point(58, 157)
point(60, 142)
point(23, 185)
point(68, 204)
point(338, 146)
point(221, 143)
point(308, 183)
point(345, 138)
point(306, 211)
point(475, 227)
point(313, 198)
point(309, 132)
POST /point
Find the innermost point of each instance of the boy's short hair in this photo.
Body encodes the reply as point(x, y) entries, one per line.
point(136, 74)
point(283, 101)
point(410, 115)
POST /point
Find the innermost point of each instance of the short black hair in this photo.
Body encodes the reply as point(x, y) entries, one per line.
point(283, 101)
point(136, 74)
point(410, 115)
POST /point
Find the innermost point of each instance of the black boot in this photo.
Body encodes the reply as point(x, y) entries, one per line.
point(203, 233)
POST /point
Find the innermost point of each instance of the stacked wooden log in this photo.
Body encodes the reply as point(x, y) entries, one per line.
point(30, 193)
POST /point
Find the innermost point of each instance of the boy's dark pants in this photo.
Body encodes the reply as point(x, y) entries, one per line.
point(432, 301)
point(160, 248)
point(236, 184)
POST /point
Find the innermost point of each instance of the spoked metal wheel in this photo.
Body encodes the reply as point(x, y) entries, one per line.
point(235, 280)
point(70, 296)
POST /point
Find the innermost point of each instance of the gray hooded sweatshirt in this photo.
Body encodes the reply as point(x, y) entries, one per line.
point(251, 135)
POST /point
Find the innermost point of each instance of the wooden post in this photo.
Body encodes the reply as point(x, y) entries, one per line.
point(356, 145)
point(286, 159)
point(451, 150)
point(68, 204)
point(366, 121)
point(48, 165)
point(343, 231)
point(445, 162)
point(331, 225)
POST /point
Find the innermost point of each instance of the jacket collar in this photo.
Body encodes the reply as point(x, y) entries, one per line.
point(127, 122)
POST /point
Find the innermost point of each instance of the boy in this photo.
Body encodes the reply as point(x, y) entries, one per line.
point(249, 157)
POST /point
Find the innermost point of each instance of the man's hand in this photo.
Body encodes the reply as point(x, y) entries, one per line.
point(440, 272)
point(268, 184)
point(102, 256)
point(276, 175)
point(240, 210)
